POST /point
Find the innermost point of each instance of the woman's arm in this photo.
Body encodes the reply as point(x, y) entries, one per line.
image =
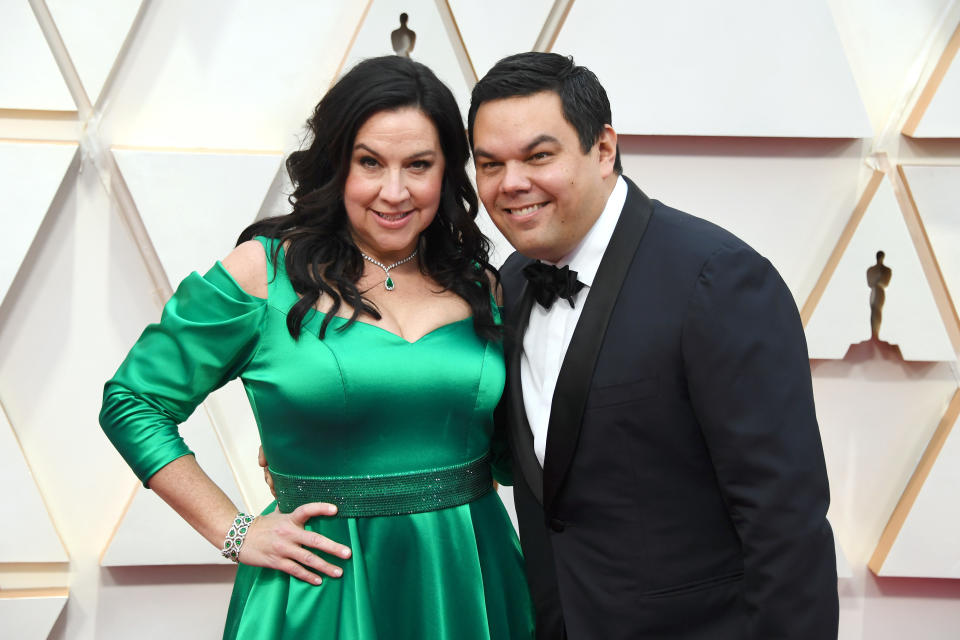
point(276, 540)
point(208, 333)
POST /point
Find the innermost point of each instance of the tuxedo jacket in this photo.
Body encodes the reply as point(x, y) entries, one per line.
point(684, 491)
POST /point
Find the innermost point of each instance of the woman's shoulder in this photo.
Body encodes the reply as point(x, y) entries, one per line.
point(247, 263)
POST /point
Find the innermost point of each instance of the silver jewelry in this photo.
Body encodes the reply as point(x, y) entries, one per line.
point(388, 284)
point(236, 534)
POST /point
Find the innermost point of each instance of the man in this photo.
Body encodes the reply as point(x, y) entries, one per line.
point(669, 476)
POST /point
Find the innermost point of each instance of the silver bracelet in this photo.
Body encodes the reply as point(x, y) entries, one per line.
point(236, 534)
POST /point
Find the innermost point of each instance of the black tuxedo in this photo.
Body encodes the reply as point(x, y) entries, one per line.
point(684, 490)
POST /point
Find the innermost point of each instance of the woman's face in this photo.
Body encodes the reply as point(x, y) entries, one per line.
point(393, 188)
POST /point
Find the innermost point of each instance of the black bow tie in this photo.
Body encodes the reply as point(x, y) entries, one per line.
point(549, 283)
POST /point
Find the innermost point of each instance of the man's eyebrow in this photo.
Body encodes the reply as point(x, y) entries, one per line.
point(540, 139)
point(530, 146)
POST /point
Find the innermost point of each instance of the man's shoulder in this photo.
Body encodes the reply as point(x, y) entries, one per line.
point(511, 276)
point(672, 230)
point(512, 268)
point(688, 229)
point(684, 248)
point(682, 238)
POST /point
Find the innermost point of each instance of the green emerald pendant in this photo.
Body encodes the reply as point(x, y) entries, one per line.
point(389, 283)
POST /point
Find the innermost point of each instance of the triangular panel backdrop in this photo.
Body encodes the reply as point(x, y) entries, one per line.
point(93, 31)
point(188, 201)
point(926, 543)
point(936, 191)
point(941, 118)
point(201, 82)
point(29, 76)
point(436, 42)
point(755, 115)
point(911, 319)
point(734, 69)
point(29, 535)
point(30, 615)
point(488, 37)
point(32, 173)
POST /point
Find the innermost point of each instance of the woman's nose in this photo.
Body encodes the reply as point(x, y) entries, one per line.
point(394, 189)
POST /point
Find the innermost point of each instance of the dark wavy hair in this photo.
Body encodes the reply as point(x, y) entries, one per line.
point(583, 99)
point(321, 256)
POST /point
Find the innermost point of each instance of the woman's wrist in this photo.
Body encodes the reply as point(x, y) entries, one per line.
point(236, 535)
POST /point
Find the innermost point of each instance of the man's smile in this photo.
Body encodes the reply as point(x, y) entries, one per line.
point(525, 210)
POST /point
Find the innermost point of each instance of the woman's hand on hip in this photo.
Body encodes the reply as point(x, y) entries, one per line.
point(279, 541)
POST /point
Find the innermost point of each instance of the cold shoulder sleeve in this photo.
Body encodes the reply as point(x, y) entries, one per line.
point(208, 333)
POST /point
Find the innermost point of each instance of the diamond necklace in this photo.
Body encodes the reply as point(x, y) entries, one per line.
point(389, 282)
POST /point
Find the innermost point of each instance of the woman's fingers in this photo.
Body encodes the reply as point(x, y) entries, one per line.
point(309, 559)
point(298, 571)
point(310, 539)
point(312, 510)
point(325, 544)
point(279, 541)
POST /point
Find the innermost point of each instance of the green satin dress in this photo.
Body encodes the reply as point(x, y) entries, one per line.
point(362, 401)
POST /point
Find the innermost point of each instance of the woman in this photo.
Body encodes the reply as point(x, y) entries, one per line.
point(363, 329)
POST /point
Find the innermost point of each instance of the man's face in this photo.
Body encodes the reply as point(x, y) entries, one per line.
point(540, 189)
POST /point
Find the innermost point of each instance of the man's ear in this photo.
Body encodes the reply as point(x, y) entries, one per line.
point(607, 149)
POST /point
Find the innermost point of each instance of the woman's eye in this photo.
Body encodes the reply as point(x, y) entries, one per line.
point(421, 165)
point(368, 162)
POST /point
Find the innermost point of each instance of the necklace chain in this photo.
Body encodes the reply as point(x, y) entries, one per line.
point(388, 283)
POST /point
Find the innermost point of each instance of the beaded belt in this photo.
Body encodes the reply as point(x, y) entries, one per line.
point(388, 494)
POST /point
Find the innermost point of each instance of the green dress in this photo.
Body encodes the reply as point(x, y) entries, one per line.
point(361, 402)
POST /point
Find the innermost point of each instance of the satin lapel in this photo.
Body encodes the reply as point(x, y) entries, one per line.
point(521, 436)
point(576, 374)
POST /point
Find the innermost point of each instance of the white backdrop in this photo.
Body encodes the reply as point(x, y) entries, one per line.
point(125, 127)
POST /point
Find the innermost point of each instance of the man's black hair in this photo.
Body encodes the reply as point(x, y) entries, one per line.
point(583, 99)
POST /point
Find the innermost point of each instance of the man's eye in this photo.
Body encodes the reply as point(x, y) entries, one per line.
point(540, 155)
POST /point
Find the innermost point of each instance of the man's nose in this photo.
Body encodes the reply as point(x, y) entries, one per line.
point(514, 178)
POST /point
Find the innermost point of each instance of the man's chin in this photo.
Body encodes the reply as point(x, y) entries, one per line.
point(527, 245)
point(535, 252)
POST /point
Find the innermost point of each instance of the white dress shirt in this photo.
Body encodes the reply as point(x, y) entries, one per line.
point(548, 333)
